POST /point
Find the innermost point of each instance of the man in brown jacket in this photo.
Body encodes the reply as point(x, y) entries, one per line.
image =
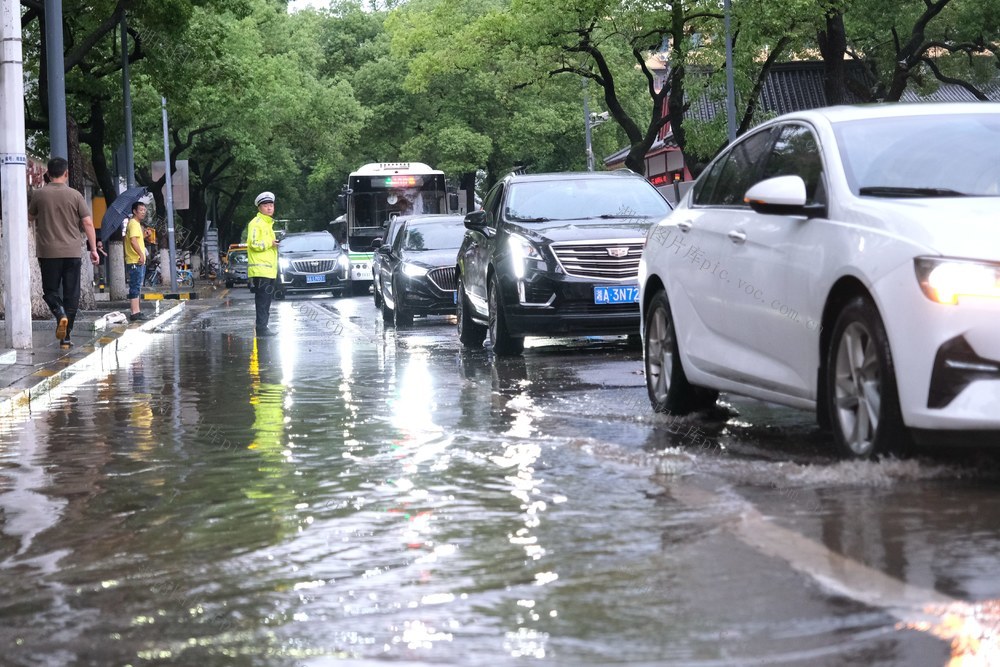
point(60, 213)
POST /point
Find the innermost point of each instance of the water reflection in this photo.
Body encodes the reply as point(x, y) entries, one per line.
point(398, 500)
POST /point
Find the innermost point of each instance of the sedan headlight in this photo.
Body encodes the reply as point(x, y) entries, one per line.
point(522, 250)
point(414, 271)
point(283, 264)
point(949, 280)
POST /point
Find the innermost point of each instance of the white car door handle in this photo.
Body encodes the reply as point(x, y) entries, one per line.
point(684, 225)
point(736, 236)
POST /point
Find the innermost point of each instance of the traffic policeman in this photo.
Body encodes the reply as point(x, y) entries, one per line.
point(262, 257)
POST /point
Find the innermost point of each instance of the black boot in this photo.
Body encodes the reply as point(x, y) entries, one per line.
point(62, 324)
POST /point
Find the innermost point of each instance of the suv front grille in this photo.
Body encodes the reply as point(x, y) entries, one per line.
point(313, 265)
point(443, 278)
point(603, 260)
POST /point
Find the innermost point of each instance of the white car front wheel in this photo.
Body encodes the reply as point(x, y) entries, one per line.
point(667, 384)
point(862, 398)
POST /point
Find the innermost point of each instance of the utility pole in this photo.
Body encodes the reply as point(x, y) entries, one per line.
point(586, 126)
point(115, 264)
point(127, 97)
point(58, 143)
point(170, 200)
point(14, 177)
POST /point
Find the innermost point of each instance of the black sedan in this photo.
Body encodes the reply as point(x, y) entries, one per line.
point(311, 262)
point(417, 275)
point(555, 255)
point(391, 230)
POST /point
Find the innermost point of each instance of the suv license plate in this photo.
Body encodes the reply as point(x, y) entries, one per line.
point(616, 294)
point(320, 278)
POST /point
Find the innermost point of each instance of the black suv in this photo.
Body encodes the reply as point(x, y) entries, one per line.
point(554, 255)
point(311, 262)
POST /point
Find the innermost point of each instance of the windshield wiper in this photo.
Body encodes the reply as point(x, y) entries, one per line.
point(901, 191)
point(624, 216)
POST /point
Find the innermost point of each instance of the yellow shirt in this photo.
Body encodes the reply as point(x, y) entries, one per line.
point(134, 231)
point(262, 254)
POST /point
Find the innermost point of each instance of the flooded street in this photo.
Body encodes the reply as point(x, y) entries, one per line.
point(346, 493)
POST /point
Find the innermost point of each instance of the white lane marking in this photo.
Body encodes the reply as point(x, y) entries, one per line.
point(973, 629)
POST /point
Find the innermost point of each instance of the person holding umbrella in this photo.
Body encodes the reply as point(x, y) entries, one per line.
point(135, 259)
point(60, 213)
point(262, 258)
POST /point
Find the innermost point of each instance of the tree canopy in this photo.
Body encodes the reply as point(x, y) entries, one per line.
point(261, 99)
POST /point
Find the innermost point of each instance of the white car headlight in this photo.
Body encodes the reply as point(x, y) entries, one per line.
point(413, 270)
point(344, 261)
point(947, 281)
point(521, 250)
point(283, 264)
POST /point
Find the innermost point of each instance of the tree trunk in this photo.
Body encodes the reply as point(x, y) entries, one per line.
point(116, 271)
point(77, 179)
point(39, 311)
point(833, 47)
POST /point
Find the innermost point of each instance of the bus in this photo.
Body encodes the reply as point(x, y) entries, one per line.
point(378, 192)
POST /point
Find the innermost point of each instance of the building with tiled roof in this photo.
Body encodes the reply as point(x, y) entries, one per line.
point(791, 86)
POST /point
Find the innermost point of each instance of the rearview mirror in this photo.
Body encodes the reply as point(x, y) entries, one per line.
point(782, 195)
point(376, 243)
point(475, 221)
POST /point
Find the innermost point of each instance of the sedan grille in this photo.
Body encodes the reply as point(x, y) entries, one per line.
point(313, 265)
point(443, 278)
point(603, 260)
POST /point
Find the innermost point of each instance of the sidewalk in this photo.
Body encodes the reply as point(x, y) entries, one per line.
point(26, 374)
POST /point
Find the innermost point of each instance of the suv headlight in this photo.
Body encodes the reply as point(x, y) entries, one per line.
point(414, 271)
point(521, 251)
point(283, 264)
point(344, 261)
point(948, 280)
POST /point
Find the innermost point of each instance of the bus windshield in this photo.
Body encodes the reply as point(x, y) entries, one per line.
point(374, 209)
point(380, 192)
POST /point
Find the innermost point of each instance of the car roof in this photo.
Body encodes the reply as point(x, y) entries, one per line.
point(573, 176)
point(297, 234)
point(847, 113)
point(432, 219)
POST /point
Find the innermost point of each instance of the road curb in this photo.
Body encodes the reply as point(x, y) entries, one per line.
point(107, 345)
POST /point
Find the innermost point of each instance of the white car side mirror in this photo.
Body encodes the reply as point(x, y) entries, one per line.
point(781, 191)
point(782, 195)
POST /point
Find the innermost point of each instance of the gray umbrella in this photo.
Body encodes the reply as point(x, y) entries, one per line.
point(119, 211)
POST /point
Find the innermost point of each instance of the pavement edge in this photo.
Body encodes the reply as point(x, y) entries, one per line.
point(22, 400)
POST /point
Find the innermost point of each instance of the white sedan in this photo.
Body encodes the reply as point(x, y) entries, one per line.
point(844, 260)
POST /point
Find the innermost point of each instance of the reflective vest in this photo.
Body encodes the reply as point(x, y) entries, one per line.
point(262, 255)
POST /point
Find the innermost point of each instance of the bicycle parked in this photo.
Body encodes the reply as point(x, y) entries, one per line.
point(152, 270)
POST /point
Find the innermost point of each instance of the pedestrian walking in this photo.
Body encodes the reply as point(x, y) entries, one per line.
point(135, 259)
point(262, 257)
point(60, 213)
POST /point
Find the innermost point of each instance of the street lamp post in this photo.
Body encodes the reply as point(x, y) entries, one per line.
point(586, 126)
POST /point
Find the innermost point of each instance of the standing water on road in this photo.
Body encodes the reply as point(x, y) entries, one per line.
point(342, 492)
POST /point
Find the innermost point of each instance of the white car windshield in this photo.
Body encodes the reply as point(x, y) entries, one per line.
point(308, 242)
point(922, 156)
point(585, 198)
